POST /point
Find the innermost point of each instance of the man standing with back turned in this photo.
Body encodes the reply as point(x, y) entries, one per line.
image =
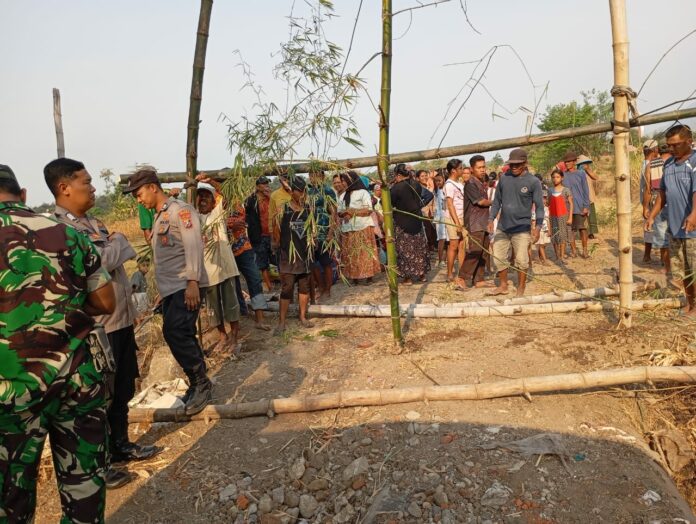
point(515, 194)
point(71, 185)
point(51, 281)
point(177, 247)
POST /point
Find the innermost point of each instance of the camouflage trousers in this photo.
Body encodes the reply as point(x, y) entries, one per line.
point(682, 254)
point(73, 413)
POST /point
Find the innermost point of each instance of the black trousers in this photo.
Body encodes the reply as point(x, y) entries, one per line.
point(179, 330)
point(124, 347)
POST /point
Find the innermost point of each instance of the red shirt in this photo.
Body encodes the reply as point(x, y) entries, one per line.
point(263, 215)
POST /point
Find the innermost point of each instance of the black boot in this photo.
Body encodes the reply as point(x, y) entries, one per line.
point(114, 478)
point(123, 450)
point(202, 392)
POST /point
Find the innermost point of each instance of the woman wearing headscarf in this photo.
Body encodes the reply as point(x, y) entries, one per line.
point(359, 255)
point(412, 257)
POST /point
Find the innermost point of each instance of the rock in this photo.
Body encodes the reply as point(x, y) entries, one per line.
point(318, 484)
point(358, 483)
point(292, 499)
point(412, 415)
point(244, 483)
point(277, 517)
point(229, 492)
point(345, 515)
point(242, 502)
point(318, 460)
point(414, 510)
point(496, 495)
point(448, 517)
point(650, 497)
point(278, 495)
point(293, 513)
point(297, 469)
point(308, 506)
point(366, 441)
point(413, 442)
point(397, 476)
point(253, 508)
point(265, 504)
point(440, 497)
point(359, 466)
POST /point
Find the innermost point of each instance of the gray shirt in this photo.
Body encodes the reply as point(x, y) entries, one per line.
point(114, 251)
point(679, 184)
point(177, 247)
point(514, 196)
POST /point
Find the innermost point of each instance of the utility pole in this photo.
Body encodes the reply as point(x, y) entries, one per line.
point(58, 120)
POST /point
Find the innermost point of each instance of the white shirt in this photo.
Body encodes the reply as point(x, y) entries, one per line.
point(218, 258)
point(359, 199)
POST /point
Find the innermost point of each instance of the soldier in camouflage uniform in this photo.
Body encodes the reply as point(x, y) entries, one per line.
point(51, 281)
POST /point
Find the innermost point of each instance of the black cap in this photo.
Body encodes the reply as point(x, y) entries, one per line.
point(262, 180)
point(6, 173)
point(139, 179)
point(517, 156)
point(298, 184)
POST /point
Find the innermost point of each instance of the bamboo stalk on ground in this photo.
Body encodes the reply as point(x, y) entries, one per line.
point(383, 397)
point(432, 311)
point(451, 151)
point(196, 96)
point(568, 296)
point(383, 171)
point(58, 121)
point(619, 36)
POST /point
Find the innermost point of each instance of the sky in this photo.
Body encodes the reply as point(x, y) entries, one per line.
point(124, 72)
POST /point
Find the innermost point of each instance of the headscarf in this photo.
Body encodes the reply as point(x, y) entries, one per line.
point(353, 183)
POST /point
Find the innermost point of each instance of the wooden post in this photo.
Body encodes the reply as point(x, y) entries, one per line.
point(383, 170)
point(622, 172)
point(58, 120)
point(195, 99)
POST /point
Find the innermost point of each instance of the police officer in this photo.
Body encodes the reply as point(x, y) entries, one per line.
point(52, 281)
point(71, 185)
point(177, 247)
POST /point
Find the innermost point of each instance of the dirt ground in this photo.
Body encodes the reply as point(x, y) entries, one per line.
point(424, 462)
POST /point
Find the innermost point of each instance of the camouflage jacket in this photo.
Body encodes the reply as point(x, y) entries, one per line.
point(46, 271)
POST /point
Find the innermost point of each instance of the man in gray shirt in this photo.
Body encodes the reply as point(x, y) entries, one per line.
point(177, 247)
point(516, 193)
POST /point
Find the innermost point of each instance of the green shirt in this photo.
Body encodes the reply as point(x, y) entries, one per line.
point(46, 271)
point(146, 216)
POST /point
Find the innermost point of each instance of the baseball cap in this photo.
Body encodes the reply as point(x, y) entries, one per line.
point(6, 173)
point(139, 179)
point(262, 180)
point(650, 144)
point(298, 184)
point(570, 156)
point(517, 156)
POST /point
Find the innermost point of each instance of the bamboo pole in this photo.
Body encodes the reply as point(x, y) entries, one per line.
point(621, 161)
point(58, 121)
point(383, 397)
point(451, 151)
point(406, 309)
point(432, 311)
point(383, 170)
point(195, 98)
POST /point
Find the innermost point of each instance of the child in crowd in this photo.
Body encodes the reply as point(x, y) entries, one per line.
point(560, 213)
point(544, 238)
point(139, 286)
point(439, 218)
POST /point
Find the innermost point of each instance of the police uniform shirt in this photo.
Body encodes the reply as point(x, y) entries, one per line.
point(177, 247)
point(114, 252)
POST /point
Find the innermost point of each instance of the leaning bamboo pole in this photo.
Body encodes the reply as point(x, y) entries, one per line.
point(383, 397)
point(567, 296)
point(621, 92)
point(432, 311)
point(58, 122)
point(196, 97)
point(451, 151)
point(383, 171)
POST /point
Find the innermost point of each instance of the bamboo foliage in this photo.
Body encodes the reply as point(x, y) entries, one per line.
point(382, 397)
point(196, 97)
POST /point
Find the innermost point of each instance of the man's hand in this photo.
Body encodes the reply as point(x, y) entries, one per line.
point(648, 224)
point(203, 177)
point(535, 234)
point(192, 295)
point(490, 227)
point(570, 220)
point(646, 212)
point(585, 211)
point(174, 192)
point(690, 223)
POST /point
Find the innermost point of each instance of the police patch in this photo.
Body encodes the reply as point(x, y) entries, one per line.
point(524, 189)
point(185, 217)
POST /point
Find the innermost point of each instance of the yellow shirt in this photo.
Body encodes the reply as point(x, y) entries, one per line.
point(279, 197)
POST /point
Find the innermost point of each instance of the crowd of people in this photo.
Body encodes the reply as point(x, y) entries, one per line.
point(68, 348)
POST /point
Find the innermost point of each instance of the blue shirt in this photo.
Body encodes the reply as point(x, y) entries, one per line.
point(679, 184)
point(576, 181)
point(514, 196)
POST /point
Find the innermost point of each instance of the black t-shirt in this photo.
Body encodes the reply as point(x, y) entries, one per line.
point(406, 197)
point(475, 216)
point(294, 247)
